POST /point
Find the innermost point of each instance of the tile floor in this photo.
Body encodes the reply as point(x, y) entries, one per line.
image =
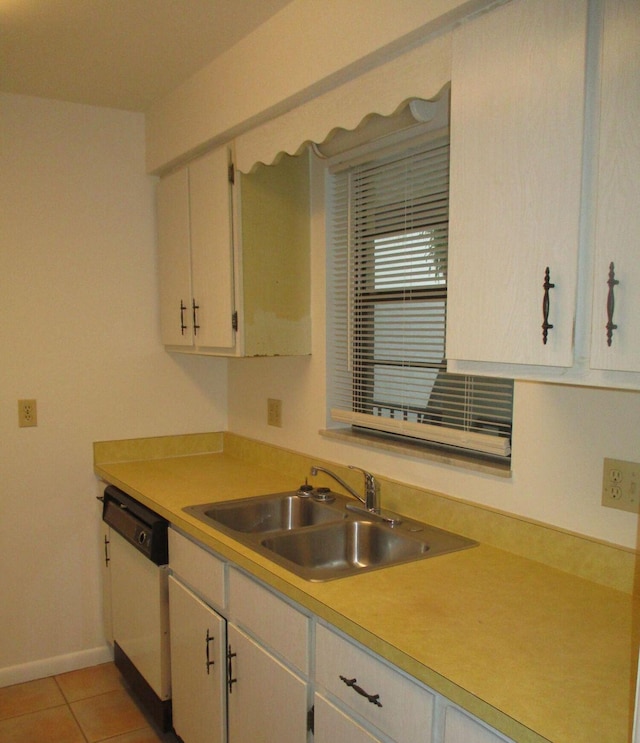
point(85, 706)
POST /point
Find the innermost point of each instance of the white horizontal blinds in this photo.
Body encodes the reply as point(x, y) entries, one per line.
point(390, 233)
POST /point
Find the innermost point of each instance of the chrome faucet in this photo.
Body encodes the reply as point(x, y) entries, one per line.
point(371, 498)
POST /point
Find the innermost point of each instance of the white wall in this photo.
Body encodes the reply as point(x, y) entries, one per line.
point(306, 48)
point(78, 332)
point(561, 433)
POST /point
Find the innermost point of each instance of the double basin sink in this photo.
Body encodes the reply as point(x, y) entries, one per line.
point(321, 535)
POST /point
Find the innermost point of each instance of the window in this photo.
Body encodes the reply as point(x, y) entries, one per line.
point(387, 307)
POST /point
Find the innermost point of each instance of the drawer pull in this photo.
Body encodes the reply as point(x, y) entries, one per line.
point(373, 698)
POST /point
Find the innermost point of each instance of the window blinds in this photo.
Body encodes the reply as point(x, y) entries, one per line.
point(387, 308)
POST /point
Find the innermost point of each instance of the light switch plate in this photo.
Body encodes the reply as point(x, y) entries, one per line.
point(621, 485)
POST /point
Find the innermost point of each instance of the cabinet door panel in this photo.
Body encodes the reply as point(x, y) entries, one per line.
point(268, 702)
point(198, 689)
point(174, 258)
point(212, 249)
point(278, 625)
point(618, 191)
point(197, 568)
point(331, 725)
point(516, 156)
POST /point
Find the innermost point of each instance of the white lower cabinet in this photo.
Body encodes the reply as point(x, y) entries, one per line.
point(267, 700)
point(198, 667)
point(198, 642)
point(268, 685)
point(248, 664)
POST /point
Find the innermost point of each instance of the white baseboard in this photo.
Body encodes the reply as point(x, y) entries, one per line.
point(51, 666)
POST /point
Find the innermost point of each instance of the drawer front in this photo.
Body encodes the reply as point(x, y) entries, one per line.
point(460, 727)
point(196, 567)
point(399, 707)
point(266, 616)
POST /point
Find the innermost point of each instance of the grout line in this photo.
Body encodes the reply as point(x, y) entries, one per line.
point(68, 704)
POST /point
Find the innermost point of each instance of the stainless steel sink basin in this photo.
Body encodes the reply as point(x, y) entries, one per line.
point(322, 536)
point(355, 546)
point(269, 513)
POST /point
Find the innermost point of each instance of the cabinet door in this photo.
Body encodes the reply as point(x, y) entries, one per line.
point(331, 725)
point(198, 667)
point(174, 259)
point(211, 250)
point(267, 701)
point(517, 109)
point(618, 192)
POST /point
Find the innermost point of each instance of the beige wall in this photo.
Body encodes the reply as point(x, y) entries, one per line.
point(305, 49)
point(79, 332)
point(561, 433)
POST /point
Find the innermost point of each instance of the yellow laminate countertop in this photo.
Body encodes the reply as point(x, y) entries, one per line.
point(537, 653)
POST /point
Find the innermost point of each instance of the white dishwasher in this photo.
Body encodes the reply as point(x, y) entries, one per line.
point(138, 557)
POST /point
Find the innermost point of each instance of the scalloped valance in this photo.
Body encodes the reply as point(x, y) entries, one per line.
point(384, 90)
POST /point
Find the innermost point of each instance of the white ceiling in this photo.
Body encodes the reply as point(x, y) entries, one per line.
point(117, 53)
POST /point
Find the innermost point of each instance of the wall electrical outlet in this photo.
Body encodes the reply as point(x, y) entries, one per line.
point(27, 413)
point(621, 485)
point(274, 412)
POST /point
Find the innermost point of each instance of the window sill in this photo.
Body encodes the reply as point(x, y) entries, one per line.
point(418, 450)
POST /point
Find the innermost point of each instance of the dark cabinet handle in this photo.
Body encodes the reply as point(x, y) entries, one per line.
point(195, 308)
point(546, 326)
point(230, 680)
point(351, 683)
point(611, 303)
point(183, 309)
point(209, 663)
point(107, 559)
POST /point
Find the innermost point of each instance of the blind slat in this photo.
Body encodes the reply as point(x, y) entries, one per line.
point(387, 308)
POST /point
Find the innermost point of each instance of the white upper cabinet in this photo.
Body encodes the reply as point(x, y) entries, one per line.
point(234, 258)
point(174, 259)
point(618, 193)
point(517, 109)
point(545, 151)
point(195, 255)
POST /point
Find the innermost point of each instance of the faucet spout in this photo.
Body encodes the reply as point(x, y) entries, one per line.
point(371, 497)
point(371, 490)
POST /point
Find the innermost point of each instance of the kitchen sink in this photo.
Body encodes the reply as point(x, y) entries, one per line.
point(355, 546)
point(269, 513)
point(320, 535)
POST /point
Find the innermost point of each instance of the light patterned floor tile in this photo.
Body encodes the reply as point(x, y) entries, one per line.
point(146, 735)
point(108, 715)
point(29, 697)
point(89, 682)
point(55, 725)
